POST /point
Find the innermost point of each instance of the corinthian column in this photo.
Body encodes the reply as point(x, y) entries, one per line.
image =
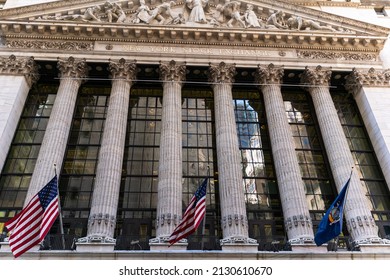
point(169, 205)
point(72, 73)
point(360, 223)
point(293, 198)
point(16, 78)
point(371, 89)
point(102, 219)
point(231, 190)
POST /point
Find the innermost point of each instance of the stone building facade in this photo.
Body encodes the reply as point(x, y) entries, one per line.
point(134, 103)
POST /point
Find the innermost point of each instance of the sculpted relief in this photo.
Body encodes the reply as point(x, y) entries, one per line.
point(227, 13)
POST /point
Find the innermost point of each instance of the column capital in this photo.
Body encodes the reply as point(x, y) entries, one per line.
point(370, 78)
point(73, 68)
point(20, 67)
point(172, 71)
point(317, 77)
point(222, 73)
point(269, 74)
point(123, 70)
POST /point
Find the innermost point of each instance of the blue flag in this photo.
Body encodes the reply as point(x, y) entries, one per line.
point(331, 224)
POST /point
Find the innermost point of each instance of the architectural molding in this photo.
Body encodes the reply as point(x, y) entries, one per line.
point(364, 78)
point(49, 45)
point(222, 73)
point(318, 76)
point(329, 55)
point(123, 70)
point(270, 74)
point(21, 67)
point(172, 71)
point(73, 68)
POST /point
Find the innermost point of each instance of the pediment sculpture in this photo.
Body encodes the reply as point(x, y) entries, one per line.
point(195, 13)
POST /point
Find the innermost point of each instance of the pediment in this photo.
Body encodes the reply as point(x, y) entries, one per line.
point(260, 23)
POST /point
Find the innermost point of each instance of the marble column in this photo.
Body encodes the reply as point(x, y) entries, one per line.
point(371, 89)
point(169, 205)
point(291, 187)
point(102, 219)
point(359, 220)
point(72, 73)
point(17, 75)
point(234, 219)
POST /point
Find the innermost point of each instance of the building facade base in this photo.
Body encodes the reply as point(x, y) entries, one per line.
point(166, 247)
point(309, 248)
point(231, 247)
point(375, 248)
point(95, 247)
point(4, 247)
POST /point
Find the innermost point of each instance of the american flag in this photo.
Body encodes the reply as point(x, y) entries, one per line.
point(30, 226)
point(192, 216)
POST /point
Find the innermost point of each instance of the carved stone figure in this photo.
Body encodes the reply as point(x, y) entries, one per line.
point(251, 17)
point(231, 10)
point(276, 20)
point(197, 13)
point(162, 10)
point(121, 16)
point(142, 13)
point(90, 14)
point(298, 23)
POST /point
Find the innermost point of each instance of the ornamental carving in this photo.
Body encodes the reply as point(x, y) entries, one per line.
point(336, 55)
point(370, 78)
point(123, 70)
point(49, 45)
point(172, 71)
point(318, 76)
point(20, 67)
point(194, 13)
point(73, 68)
point(270, 74)
point(222, 73)
point(167, 219)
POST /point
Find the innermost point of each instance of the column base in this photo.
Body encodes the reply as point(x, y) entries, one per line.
point(95, 244)
point(374, 245)
point(239, 244)
point(161, 244)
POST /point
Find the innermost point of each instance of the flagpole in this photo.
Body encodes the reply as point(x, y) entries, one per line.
point(346, 193)
point(345, 203)
point(204, 219)
point(59, 210)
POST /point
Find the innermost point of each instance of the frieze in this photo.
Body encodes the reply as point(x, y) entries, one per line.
point(192, 50)
point(336, 55)
point(49, 45)
point(197, 12)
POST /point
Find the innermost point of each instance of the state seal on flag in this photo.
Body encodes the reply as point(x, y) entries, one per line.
point(334, 214)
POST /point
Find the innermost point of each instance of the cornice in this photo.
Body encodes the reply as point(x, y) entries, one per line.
point(85, 32)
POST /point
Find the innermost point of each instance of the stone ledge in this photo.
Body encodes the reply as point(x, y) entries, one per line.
point(95, 247)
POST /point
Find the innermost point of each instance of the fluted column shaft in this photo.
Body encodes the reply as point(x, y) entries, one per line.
point(360, 223)
point(369, 88)
point(291, 187)
point(16, 78)
point(102, 218)
point(231, 190)
point(72, 73)
point(169, 206)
